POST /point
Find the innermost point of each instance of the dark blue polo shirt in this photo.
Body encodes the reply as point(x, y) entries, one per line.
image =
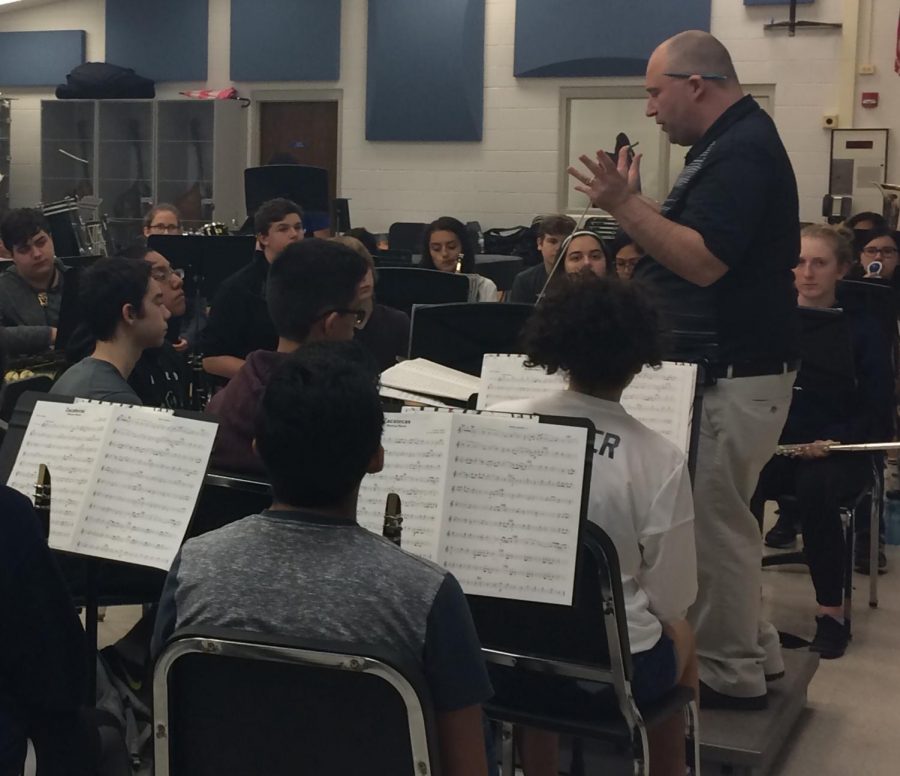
point(739, 192)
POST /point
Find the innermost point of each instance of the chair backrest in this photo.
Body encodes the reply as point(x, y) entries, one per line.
point(458, 335)
point(230, 703)
point(501, 269)
point(403, 287)
point(587, 640)
point(406, 236)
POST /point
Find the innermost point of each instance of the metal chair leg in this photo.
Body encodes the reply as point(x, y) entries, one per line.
point(874, 534)
point(640, 750)
point(692, 739)
point(848, 523)
point(507, 749)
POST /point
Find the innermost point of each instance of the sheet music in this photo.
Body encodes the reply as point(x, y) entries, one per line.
point(68, 439)
point(505, 377)
point(416, 446)
point(420, 375)
point(663, 400)
point(512, 507)
point(394, 393)
point(138, 508)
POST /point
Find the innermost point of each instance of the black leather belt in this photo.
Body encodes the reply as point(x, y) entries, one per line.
point(753, 368)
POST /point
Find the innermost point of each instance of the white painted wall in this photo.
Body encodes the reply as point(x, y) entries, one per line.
point(513, 173)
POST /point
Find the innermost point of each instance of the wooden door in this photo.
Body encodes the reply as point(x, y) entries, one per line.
point(305, 131)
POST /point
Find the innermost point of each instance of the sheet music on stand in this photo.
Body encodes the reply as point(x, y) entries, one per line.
point(421, 376)
point(662, 399)
point(125, 479)
point(496, 500)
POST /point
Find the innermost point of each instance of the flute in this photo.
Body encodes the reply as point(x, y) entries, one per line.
point(393, 520)
point(861, 447)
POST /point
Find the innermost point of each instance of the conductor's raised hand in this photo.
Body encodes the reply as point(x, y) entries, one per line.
point(608, 185)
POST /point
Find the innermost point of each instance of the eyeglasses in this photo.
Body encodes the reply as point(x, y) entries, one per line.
point(361, 316)
point(886, 252)
point(704, 76)
point(164, 227)
point(162, 274)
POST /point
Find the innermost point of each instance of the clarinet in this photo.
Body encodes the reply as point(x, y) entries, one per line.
point(42, 499)
point(393, 520)
point(198, 393)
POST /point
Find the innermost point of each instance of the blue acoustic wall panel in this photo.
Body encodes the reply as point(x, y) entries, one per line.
point(574, 38)
point(39, 58)
point(285, 40)
point(425, 74)
point(166, 40)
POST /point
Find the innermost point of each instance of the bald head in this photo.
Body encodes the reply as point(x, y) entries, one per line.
point(690, 83)
point(695, 51)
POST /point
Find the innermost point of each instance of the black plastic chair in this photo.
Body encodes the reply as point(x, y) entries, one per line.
point(231, 703)
point(403, 287)
point(406, 236)
point(459, 335)
point(559, 645)
point(391, 258)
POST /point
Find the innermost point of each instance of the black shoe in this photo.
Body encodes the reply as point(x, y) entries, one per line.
point(782, 535)
point(831, 638)
point(862, 563)
point(712, 699)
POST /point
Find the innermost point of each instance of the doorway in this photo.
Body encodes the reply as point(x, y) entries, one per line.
point(307, 132)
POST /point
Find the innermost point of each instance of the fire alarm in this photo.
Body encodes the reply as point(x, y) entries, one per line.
point(870, 99)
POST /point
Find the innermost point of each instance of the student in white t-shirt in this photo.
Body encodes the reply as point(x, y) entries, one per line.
point(601, 332)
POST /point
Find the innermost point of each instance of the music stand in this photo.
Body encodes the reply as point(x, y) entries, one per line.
point(206, 261)
point(92, 566)
point(875, 296)
point(501, 269)
point(300, 183)
point(826, 345)
point(459, 335)
point(403, 287)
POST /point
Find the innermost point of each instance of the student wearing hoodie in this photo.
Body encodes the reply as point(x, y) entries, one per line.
point(316, 291)
point(31, 289)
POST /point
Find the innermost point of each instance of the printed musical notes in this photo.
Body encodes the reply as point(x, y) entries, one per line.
point(494, 499)
point(662, 399)
point(125, 481)
point(415, 463)
point(506, 378)
point(512, 507)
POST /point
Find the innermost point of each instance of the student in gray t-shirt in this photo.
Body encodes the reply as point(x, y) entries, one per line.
point(123, 310)
point(305, 567)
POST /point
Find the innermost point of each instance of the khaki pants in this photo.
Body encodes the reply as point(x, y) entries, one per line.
point(742, 420)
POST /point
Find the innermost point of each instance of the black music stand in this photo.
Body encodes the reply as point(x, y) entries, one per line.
point(501, 269)
point(878, 298)
point(403, 287)
point(395, 258)
point(459, 335)
point(300, 183)
point(85, 570)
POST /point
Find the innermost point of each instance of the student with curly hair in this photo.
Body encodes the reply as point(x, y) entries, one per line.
point(600, 332)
